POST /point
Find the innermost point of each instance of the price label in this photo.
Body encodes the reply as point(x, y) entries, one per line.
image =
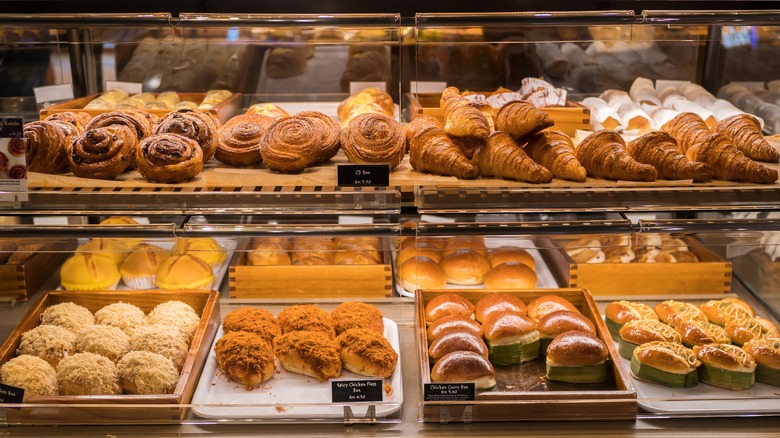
point(11, 394)
point(355, 391)
point(363, 175)
point(449, 392)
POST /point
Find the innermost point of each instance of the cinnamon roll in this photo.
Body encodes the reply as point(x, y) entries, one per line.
point(47, 145)
point(268, 109)
point(294, 143)
point(3, 161)
point(17, 147)
point(374, 138)
point(17, 172)
point(79, 119)
point(197, 125)
point(238, 140)
point(169, 158)
point(141, 122)
point(102, 153)
point(331, 134)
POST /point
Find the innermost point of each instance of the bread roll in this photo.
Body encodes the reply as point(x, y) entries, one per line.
point(465, 366)
point(721, 311)
point(562, 321)
point(267, 254)
point(539, 307)
point(453, 323)
point(673, 312)
point(421, 273)
point(454, 340)
point(701, 332)
point(418, 250)
point(465, 267)
point(511, 275)
point(576, 348)
point(473, 243)
point(367, 353)
point(726, 366)
point(618, 313)
point(498, 303)
point(309, 353)
point(447, 304)
point(505, 254)
point(512, 339)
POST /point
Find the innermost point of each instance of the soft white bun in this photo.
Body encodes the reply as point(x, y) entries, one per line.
point(511, 275)
point(465, 267)
point(464, 366)
point(421, 273)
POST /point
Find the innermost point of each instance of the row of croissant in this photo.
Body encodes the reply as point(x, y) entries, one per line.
point(516, 143)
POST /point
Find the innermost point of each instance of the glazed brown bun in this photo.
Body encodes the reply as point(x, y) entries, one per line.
point(673, 312)
point(465, 267)
point(641, 331)
point(743, 330)
point(721, 311)
point(507, 328)
point(546, 304)
point(576, 348)
point(562, 321)
point(701, 332)
point(456, 341)
point(419, 250)
point(766, 352)
point(464, 366)
point(498, 302)
point(505, 254)
point(447, 304)
point(421, 273)
point(452, 323)
point(667, 356)
point(511, 275)
point(473, 243)
point(725, 356)
point(622, 312)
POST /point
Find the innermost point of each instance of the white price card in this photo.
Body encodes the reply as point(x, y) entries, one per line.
point(50, 94)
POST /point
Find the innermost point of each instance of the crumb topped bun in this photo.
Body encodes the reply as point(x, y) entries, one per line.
point(356, 314)
point(87, 374)
point(673, 312)
point(177, 314)
point(539, 307)
point(48, 342)
point(245, 358)
point(511, 275)
point(105, 340)
point(456, 341)
point(447, 304)
point(453, 323)
point(305, 317)
point(144, 372)
point(465, 267)
point(367, 353)
point(505, 254)
point(421, 273)
point(498, 302)
point(254, 320)
point(67, 315)
point(124, 316)
point(309, 353)
point(164, 340)
point(465, 366)
point(32, 373)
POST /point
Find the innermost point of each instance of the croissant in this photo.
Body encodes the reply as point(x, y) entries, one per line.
point(238, 140)
point(432, 150)
point(102, 153)
point(688, 129)
point(555, 151)
point(519, 118)
point(659, 150)
point(745, 132)
point(198, 125)
point(603, 154)
point(47, 142)
point(728, 162)
point(501, 156)
point(374, 138)
point(462, 118)
point(169, 158)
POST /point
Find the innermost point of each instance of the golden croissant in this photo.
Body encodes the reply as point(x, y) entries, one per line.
point(462, 118)
point(659, 150)
point(555, 151)
point(728, 162)
point(745, 132)
point(520, 119)
point(502, 156)
point(688, 129)
point(603, 154)
point(432, 150)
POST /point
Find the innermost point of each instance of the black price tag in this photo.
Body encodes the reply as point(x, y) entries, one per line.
point(363, 175)
point(11, 394)
point(11, 127)
point(352, 391)
point(449, 392)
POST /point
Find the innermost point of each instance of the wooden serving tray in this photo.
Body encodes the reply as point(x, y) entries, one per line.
point(117, 409)
point(20, 281)
point(523, 393)
point(567, 119)
point(223, 110)
point(710, 275)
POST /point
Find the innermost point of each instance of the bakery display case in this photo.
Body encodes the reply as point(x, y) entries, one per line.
point(436, 206)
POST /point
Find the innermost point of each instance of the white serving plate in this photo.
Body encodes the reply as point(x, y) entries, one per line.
point(288, 395)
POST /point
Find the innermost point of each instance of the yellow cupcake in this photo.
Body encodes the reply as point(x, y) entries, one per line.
point(204, 248)
point(140, 267)
point(184, 271)
point(89, 272)
point(114, 249)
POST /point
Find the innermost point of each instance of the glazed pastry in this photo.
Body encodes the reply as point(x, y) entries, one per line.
point(744, 330)
point(285, 62)
point(445, 305)
point(668, 363)
point(511, 339)
point(372, 98)
point(102, 153)
point(268, 109)
point(238, 140)
point(501, 156)
point(465, 366)
point(374, 138)
point(766, 353)
point(577, 357)
point(462, 118)
point(726, 366)
point(688, 129)
point(745, 132)
point(721, 312)
point(331, 134)
point(511, 276)
point(294, 143)
point(498, 302)
point(659, 150)
point(504, 254)
point(141, 122)
point(701, 332)
point(421, 273)
point(555, 151)
point(642, 331)
point(449, 323)
point(465, 267)
point(169, 158)
point(560, 322)
point(603, 154)
point(619, 313)
point(673, 312)
point(196, 125)
point(47, 143)
point(432, 150)
point(456, 341)
point(79, 119)
point(540, 307)
point(520, 119)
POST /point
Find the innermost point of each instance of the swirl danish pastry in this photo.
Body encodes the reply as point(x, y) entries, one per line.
point(331, 134)
point(47, 145)
point(79, 119)
point(102, 153)
point(374, 138)
point(238, 140)
point(169, 158)
point(141, 122)
point(294, 143)
point(197, 125)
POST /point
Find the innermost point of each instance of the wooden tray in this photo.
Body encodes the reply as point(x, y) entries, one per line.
point(20, 282)
point(567, 119)
point(298, 282)
point(612, 400)
point(117, 409)
point(711, 275)
point(223, 110)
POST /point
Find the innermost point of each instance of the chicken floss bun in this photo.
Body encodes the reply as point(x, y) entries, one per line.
point(447, 304)
point(505, 254)
point(465, 267)
point(465, 366)
point(511, 275)
point(421, 273)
